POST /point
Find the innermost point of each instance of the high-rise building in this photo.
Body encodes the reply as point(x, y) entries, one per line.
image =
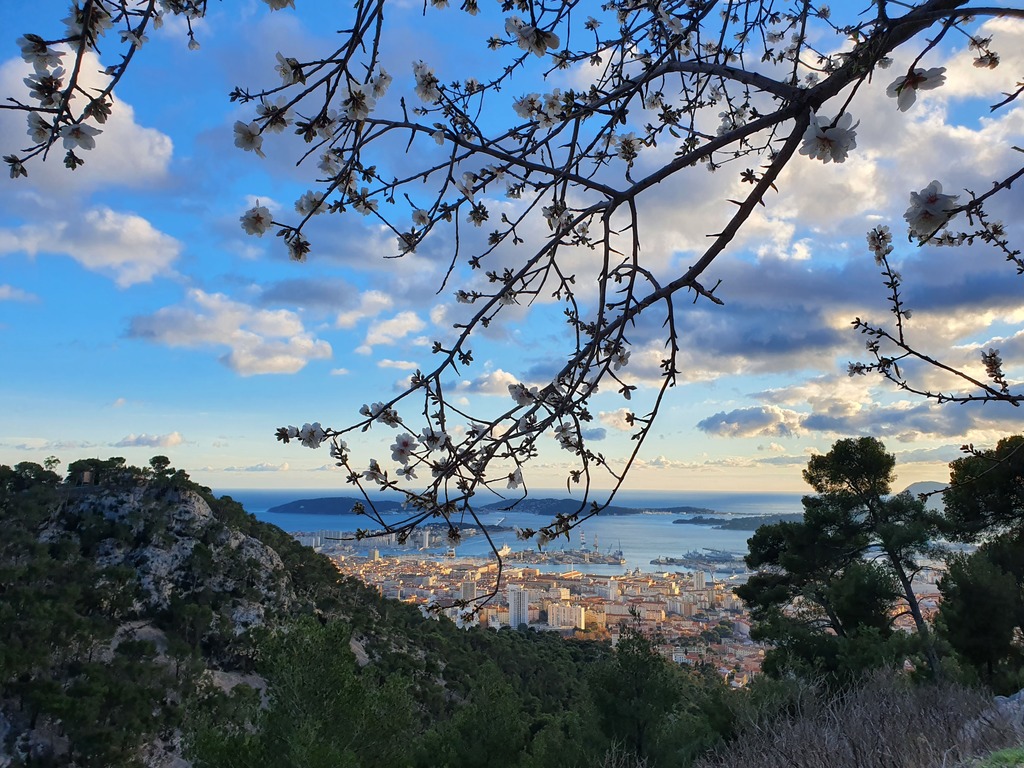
point(469, 590)
point(699, 580)
point(518, 606)
point(567, 616)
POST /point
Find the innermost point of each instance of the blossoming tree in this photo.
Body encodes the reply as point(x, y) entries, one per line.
point(550, 176)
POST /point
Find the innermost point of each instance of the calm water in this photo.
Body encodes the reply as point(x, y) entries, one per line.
point(641, 537)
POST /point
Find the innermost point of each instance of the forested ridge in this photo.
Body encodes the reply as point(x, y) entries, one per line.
point(126, 611)
point(145, 622)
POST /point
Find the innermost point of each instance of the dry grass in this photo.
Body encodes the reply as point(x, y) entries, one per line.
point(885, 723)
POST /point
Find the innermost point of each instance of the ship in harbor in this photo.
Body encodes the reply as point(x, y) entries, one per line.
point(581, 556)
point(707, 559)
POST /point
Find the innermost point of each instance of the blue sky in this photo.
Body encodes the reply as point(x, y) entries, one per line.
point(137, 318)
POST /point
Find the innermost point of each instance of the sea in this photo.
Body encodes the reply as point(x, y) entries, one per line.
point(641, 538)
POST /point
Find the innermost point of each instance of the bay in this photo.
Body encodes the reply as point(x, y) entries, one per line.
point(641, 537)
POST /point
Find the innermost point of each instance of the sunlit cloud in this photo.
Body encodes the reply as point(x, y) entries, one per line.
point(150, 441)
point(259, 341)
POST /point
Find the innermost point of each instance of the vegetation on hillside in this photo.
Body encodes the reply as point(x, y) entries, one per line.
point(140, 614)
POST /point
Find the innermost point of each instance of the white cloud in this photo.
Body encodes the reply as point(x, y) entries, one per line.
point(494, 382)
point(123, 245)
point(617, 419)
point(756, 421)
point(10, 293)
point(261, 467)
point(259, 340)
point(371, 304)
point(394, 329)
point(126, 153)
point(402, 365)
point(150, 441)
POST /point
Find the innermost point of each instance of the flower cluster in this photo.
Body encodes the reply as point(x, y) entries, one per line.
point(880, 242)
point(929, 210)
point(547, 110)
point(403, 447)
point(36, 52)
point(521, 395)
point(358, 100)
point(383, 414)
point(310, 435)
point(426, 83)
point(529, 38)
point(566, 437)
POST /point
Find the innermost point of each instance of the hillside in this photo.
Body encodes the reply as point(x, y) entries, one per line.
point(343, 505)
point(144, 622)
point(333, 505)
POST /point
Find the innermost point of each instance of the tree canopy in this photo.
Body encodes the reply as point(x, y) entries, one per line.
point(829, 589)
point(536, 193)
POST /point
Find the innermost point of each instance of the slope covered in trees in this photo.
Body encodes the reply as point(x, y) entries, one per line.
point(143, 618)
point(143, 613)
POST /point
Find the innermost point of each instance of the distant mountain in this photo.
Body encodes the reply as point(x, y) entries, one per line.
point(343, 505)
point(933, 502)
point(332, 505)
point(745, 523)
point(533, 506)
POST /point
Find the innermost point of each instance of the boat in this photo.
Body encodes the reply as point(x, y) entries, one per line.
point(711, 560)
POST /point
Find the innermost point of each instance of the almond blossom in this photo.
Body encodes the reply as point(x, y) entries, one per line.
point(311, 203)
point(374, 473)
point(381, 83)
point(402, 448)
point(38, 128)
point(880, 242)
point(529, 38)
point(288, 69)
point(619, 358)
point(465, 185)
point(358, 101)
point(79, 136)
point(380, 412)
point(330, 163)
point(827, 142)
point(46, 86)
point(97, 17)
point(276, 113)
point(134, 37)
point(311, 435)
point(904, 89)
point(36, 52)
point(929, 210)
point(522, 395)
point(248, 137)
point(564, 435)
point(433, 440)
point(426, 83)
point(256, 221)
